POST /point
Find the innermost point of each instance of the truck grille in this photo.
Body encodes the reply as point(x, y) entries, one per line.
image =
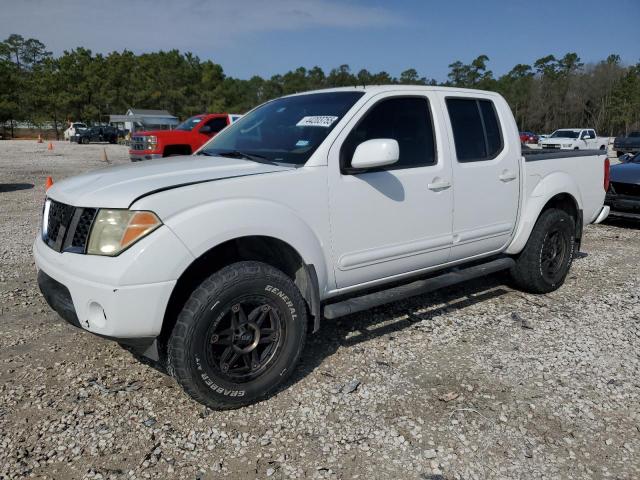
point(68, 227)
point(138, 143)
point(551, 145)
point(626, 189)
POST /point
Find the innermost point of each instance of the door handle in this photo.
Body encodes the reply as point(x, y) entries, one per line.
point(507, 176)
point(438, 185)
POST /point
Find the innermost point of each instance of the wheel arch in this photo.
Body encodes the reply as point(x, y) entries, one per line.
point(262, 248)
point(557, 190)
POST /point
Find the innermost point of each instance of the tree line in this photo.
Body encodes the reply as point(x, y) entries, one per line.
point(38, 87)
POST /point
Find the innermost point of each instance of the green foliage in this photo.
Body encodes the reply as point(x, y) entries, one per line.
point(80, 85)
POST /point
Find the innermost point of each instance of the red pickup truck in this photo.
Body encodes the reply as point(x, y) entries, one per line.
point(185, 139)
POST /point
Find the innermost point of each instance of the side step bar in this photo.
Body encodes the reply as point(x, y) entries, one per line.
point(365, 302)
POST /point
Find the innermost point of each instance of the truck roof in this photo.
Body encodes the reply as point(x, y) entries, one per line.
point(392, 88)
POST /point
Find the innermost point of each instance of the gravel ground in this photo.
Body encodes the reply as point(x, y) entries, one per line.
point(476, 381)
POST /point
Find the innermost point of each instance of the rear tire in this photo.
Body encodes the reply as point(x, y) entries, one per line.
point(239, 336)
point(545, 261)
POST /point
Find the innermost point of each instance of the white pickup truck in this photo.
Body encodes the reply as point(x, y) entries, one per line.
point(310, 207)
point(574, 139)
point(74, 128)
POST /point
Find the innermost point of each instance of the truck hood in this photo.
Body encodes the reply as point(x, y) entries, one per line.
point(557, 139)
point(120, 186)
point(626, 173)
point(169, 136)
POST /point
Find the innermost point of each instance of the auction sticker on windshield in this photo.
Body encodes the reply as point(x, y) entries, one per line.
point(324, 121)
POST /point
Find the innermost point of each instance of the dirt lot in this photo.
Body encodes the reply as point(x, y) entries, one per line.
point(477, 381)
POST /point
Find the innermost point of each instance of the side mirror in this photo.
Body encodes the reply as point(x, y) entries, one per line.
point(378, 152)
point(206, 129)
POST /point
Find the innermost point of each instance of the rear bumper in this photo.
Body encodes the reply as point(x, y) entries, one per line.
point(602, 216)
point(137, 156)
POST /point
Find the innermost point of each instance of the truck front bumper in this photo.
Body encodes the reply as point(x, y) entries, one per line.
point(68, 282)
point(59, 299)
point(137, 155)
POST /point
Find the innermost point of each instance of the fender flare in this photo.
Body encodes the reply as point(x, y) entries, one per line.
point(548, 187)
point(268, 219)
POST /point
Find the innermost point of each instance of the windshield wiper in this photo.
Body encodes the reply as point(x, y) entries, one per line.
point(247, 156)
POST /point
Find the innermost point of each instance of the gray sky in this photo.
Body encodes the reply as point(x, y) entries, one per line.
point(147, 25)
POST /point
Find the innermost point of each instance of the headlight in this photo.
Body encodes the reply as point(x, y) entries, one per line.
point(152, 140)
point(116, 230)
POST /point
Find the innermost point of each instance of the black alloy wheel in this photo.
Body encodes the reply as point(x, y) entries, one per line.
point(544, 263)
point(239, 336)
point(246, 338)
point(555, 248)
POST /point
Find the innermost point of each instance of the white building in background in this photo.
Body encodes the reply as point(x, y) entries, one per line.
point(137, 119)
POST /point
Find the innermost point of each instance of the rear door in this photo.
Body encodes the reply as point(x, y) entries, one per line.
point(486, 170)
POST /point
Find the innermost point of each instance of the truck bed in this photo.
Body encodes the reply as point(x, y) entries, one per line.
point(536, 155)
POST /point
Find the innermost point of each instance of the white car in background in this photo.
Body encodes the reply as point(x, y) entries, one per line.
point(74, 128)
point(574, 139)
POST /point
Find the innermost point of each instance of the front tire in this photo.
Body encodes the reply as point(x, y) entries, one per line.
point(545, 261)
point(239, 336)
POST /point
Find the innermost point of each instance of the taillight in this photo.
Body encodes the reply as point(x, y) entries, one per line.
point(607, 173)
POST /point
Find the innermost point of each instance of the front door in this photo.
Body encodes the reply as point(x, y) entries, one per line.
point(486, 171)
point(397, 219)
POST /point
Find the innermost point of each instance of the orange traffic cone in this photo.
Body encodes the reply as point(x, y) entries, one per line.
point(39, 138)
point(50, 147)
point(47, 183)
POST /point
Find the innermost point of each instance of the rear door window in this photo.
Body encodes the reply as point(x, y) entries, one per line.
point(491, 127)
point(476, 129)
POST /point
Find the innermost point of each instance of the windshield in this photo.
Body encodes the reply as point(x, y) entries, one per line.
point(286, 130)
point(565, 134)
point(189, 123)
point(634, 134)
